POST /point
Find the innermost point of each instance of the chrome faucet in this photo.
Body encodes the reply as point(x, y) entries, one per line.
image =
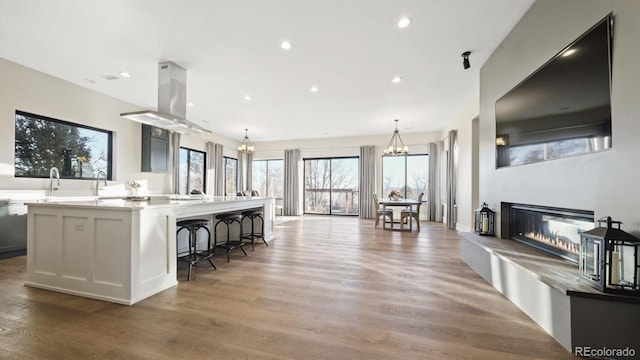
point(104, 177)
point(53, 172)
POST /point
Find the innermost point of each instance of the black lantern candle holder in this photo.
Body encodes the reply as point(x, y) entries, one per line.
point(609, 259)
point(484, 224)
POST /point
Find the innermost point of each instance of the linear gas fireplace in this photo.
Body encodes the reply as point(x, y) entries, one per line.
point(554, 230)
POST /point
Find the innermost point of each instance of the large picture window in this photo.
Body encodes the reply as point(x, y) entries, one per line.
point(409, 174)
point(78, 151)
point(268, 177)
point(331, 186)
point(192, 170)
point(230, 175)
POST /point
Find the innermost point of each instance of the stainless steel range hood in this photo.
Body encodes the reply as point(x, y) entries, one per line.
point(172, 103)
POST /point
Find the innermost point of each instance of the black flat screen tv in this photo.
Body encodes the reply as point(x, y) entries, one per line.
point(562, 109)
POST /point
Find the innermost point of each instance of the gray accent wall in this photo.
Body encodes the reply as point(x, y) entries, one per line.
point(605, 182)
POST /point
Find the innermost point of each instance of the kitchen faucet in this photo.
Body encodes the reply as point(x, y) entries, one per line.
point(53, 172)
point(104, 177)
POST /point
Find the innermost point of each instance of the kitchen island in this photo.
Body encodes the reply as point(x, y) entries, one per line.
point(114, 249)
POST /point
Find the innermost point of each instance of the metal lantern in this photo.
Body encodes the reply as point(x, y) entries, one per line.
point(609, 259)
point(484, 224)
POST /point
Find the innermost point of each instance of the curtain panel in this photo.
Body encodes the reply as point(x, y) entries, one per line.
point(175, 166)
point(452, 165)
point(215, 169)
point(433, 197)
point(240, 172)
point(291, 201)
point(367, 172)
point(249, 179)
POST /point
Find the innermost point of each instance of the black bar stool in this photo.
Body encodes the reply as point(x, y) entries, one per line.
point(192, 256)
point(253, 215)
point(229, 219)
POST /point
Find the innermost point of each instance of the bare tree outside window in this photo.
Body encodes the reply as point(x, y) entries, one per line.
point(78, 151)
point(230, 175)
point(408, 174)
point(317, 186)
point(331, 186)
point(192, 170)
point(268, 177)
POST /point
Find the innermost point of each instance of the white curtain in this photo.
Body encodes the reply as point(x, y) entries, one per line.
point(291, 201)
point(240, 172)
point(452, 169)
point(175, 166)
point(433, 197)
point(215, 169)
point(250, 172)
point(367, 184)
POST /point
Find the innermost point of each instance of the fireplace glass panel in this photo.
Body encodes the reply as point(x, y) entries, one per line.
point(553, 230)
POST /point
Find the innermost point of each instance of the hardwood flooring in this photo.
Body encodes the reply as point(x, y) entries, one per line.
point(326, 288)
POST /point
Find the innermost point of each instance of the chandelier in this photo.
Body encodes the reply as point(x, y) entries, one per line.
point(246, 146)
point(396, 145)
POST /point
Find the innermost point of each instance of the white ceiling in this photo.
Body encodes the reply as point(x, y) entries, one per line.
point(349, 49)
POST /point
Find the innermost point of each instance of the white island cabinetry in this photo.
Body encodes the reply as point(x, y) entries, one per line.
point(116, 250)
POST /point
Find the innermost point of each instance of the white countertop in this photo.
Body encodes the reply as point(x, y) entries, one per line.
point(125, 204)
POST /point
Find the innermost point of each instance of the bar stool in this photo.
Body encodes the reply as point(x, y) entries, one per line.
point(229, 219)
point(192, 256)
point(253, 215)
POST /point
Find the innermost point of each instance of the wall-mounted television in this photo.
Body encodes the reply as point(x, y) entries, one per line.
point(562, 109)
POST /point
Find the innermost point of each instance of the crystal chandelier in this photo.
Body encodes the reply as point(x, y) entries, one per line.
point(246, 146)
point(396, 145)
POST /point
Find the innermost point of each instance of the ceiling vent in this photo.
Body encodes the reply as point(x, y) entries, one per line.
point(172, 105)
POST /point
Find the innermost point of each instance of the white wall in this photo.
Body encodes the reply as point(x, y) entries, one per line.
point(606, 182)
point(32, 91)
point(464, 195)
point(28, 90)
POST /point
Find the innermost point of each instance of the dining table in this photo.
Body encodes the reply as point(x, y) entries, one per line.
point(401, 202)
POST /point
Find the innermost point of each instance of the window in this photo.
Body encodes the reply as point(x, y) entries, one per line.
point(230, 175)
point(331, 186)
point(78, 151)
point(409, 174)
point(192, 170)
point(268, 177)
point(531, 153)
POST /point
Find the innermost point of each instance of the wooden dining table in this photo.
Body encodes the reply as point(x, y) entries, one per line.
point(408, 203)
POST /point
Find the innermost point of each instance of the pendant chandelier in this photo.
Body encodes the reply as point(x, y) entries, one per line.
point(396, 145)
point(246, 146)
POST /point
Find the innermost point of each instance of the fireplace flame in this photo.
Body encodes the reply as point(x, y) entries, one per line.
point(554, 241)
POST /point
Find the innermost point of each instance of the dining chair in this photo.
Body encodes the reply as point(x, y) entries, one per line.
point(386, 213)
point(405, 213)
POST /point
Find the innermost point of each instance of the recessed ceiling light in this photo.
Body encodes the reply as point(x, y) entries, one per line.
point(285, 45)
point(314, 89)
point(125, 74)
point(569, 52)
point(247, 97)
point(404, 22)
point(190, 104)
point(396, 79)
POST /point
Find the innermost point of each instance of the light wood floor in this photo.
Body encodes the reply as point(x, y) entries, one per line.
point(326, 288)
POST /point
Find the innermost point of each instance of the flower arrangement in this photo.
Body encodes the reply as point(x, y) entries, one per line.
point(134, 184)
point(395, 194)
